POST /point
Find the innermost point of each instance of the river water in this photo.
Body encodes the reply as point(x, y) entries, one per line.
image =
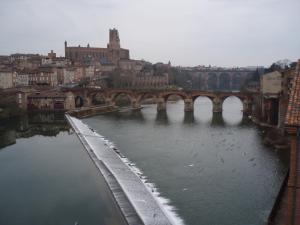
point(46, 177)
point(213, 169)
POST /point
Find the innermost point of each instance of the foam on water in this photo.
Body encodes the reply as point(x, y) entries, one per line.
point(164, 203)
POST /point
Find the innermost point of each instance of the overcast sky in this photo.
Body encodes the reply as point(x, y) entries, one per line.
point(187, 32)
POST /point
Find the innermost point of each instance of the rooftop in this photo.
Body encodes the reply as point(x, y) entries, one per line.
point(293, 111)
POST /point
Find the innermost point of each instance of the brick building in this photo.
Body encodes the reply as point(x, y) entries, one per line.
point(113, 53)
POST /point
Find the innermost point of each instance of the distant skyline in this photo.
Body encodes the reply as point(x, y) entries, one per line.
point(188, 33)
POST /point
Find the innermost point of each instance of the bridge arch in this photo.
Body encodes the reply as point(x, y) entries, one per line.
point(163, 98)
point(127, 94)
point(98, 98)
point(122, 99)
point(203, 108)
point(182, 95)
point(246, 101)
point(233, 108)
point(210, 96)
point(229, 98)
point(146, 95)
point(113, 95)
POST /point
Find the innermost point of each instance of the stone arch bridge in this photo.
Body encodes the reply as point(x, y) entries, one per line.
point(85, 97)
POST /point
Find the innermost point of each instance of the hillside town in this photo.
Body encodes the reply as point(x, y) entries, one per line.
point(101, 67)
point(44, 82)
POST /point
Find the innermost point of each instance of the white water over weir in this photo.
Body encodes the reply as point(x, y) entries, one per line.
point(137, 203)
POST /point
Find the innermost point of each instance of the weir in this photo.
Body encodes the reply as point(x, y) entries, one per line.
point(136, 202)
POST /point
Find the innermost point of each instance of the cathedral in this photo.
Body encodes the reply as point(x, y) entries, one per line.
point(113, 53)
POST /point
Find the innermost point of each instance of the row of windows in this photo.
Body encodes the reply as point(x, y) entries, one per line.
point(77, 55)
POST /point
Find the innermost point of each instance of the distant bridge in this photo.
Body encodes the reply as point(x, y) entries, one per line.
point(86, 97)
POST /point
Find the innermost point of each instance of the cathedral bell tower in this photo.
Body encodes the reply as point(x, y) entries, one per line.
point(114, 40)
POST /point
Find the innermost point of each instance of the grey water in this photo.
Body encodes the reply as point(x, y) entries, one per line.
point(47, 178)
point(213, 168)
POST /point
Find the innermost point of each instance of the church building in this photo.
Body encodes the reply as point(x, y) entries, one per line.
point(113, 53)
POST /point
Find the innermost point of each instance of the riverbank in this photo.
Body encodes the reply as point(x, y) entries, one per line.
point(276, 138)
point(272, 135)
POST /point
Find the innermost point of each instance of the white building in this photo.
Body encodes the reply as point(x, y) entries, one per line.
point(21, 79)
point(6, 79)
point(69, 75)
point(271, 84)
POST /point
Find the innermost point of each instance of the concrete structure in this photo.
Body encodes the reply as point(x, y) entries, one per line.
point(112, 54)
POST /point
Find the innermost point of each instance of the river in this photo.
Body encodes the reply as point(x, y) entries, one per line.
point(46, 177)
point(212, 168)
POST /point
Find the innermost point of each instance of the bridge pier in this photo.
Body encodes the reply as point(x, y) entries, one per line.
point(188, 105)
point(161, 104)
point(217, 105)
point(135, 104)
point(109, 101)
point(87, 102)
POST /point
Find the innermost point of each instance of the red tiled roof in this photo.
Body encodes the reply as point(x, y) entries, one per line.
point(293, 111)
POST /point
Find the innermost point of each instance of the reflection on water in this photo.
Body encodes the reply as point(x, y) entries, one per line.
point(47, 178)
point(46, 124)
point(212, 166)
point(217, 120)
point(189, 118)
point(162, 118)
